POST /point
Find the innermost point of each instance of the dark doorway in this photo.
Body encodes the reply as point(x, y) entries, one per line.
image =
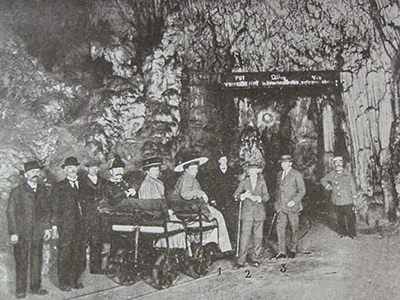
point(289, 120)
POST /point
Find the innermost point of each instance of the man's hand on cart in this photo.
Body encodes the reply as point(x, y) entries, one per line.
point(103, 207)
point(204, 196)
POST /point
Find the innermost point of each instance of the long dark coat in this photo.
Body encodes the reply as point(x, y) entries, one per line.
point(114, 194)
point(28, 212)
point(91, 196)
point(67, 211)
point(221, 187)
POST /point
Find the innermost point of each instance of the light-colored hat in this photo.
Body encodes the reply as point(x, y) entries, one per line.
point(337, 158)
point(253, 164)
point(286, 157)
point(189, 160)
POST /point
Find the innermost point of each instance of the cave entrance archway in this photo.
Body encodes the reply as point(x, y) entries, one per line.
point(294, 112)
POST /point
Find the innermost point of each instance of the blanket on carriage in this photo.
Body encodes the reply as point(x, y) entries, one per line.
point(187, 208)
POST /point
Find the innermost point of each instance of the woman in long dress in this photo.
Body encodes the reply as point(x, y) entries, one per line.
point(188, 188)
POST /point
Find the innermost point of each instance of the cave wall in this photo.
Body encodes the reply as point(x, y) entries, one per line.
point(138, 108)
point(353, 37)
point(370, 101)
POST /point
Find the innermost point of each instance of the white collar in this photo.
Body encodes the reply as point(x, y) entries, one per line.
point(72, 179)
point(287, 171)
point(32, 185)
point(92, 178)
point(113, 180)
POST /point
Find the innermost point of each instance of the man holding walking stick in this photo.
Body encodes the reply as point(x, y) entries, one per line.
point(252, 193)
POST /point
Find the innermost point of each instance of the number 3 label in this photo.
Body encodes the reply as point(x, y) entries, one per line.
point(283, 268)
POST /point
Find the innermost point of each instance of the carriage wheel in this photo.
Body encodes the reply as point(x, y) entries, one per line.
point(203, 257)
point(164, 273)
point(120, 269)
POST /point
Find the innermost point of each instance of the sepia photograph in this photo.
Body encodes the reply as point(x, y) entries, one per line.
point(200, 149)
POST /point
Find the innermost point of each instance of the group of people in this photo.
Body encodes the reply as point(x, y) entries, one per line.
point(71, 211)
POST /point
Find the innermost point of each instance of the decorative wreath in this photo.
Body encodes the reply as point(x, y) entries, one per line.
point(266, 118)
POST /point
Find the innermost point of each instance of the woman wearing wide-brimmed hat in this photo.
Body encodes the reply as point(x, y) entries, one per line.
point(189, 188)
point(152, 188)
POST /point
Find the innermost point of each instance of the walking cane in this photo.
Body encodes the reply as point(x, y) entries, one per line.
point(238, 229)
point(270, 229)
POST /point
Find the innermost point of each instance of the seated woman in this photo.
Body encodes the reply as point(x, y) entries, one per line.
point(152, 188)
point(188, 188)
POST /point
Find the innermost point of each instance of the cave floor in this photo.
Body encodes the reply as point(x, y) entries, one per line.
point(326, 268)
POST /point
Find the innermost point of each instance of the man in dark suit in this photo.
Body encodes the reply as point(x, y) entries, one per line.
point(116, 195)
point(68, 217)
point(221, 186)
point(28, 225)
point(92, 192)
point(117, 190)
point(289, 194)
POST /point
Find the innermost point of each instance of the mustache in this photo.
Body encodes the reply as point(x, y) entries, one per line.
point(119, 174)
point(35, 176)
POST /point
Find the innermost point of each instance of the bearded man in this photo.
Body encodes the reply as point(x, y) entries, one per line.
point(343, 188)
point(28, 226)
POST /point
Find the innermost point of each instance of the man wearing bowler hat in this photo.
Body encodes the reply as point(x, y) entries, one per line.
point(289, 194)
point(68, 218)
point(28, 225)
point(92, 193)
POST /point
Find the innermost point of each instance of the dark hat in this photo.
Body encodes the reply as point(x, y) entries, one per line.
point(286, 157)
point(189, 159)
point(154, 161)
point(70, 161)
point(30, 165)
point(221, 153)
point(117, 162)
point(93, 162)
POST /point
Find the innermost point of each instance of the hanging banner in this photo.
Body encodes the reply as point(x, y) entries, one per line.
point(280, 79)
